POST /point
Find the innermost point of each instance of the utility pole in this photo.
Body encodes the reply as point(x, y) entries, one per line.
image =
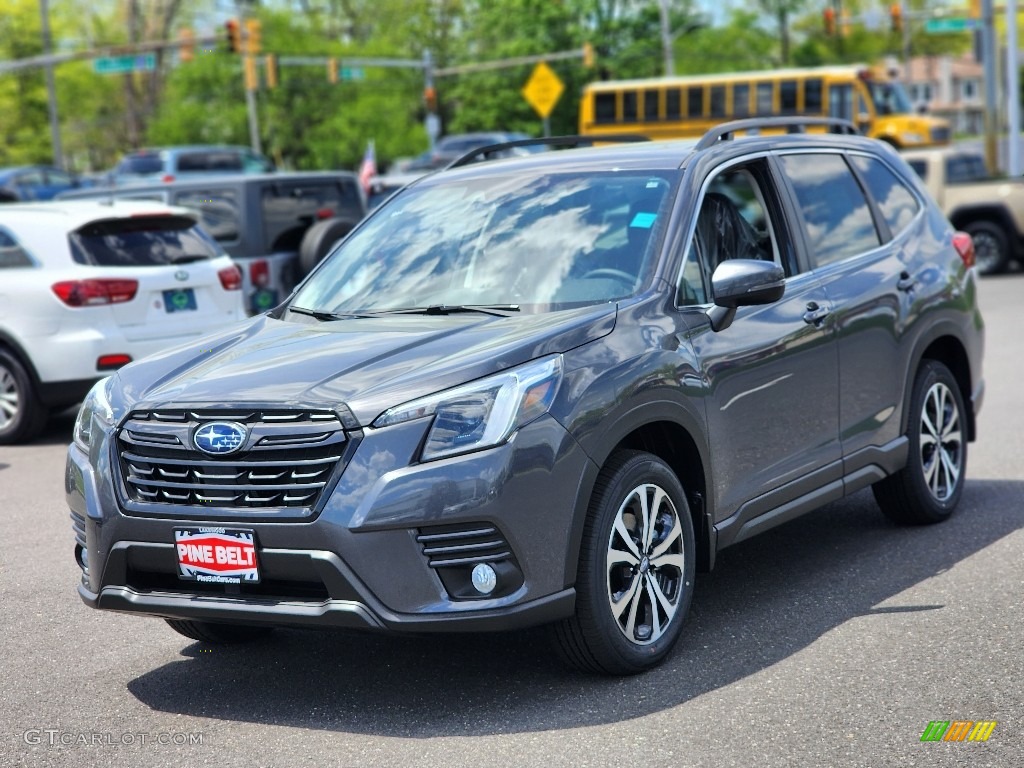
point(989, 52)
point(1012, 92)
point(51, 89)
point(666, 38)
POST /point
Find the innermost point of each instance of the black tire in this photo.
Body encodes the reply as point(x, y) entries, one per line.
point(22, 416)
point(929, 487)
point(601, 636)
point(991, 247)
point(320, 239)
point(218, 634)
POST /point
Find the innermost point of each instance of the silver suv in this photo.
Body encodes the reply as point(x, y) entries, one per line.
point(546, 389)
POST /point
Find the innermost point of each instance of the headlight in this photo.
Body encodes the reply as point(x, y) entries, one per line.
point(484, 413)
point(96, 404)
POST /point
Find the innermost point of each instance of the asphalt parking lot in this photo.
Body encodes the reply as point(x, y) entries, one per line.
point(833, 640)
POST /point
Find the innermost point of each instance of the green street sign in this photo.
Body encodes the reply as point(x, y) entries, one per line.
point(351, 73)
point(938, 26)
point(114, 65)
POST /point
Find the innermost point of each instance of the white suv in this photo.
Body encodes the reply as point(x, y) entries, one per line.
point(86, 287)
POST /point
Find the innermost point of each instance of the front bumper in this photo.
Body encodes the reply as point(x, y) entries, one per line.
point(361, 561)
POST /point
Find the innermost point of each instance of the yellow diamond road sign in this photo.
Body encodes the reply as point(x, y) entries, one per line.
point(543, 89)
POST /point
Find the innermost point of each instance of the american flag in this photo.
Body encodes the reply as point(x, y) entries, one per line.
point(368, 169)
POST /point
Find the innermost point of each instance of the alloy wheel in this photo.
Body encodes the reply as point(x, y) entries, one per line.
point(645, 564)
point(941, 442)
point(9, 397)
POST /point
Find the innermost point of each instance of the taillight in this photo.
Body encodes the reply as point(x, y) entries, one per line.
point(964, 247)
point(88, 293)
point(230, 278)
point(259, 273)
point(167, 177)
point(112, 362)
point(324, 213)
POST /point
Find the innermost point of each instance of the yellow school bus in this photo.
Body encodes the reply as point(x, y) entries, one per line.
point(675, 107)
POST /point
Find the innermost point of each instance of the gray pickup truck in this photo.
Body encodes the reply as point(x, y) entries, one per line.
point(989, 209)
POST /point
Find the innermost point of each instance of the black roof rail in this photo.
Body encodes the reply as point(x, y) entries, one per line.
point(486, 152)
point(793, 124)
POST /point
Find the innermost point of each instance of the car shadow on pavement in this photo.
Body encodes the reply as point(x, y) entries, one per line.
point(768, 598)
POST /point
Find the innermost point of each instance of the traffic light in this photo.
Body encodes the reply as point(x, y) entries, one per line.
point(233, 34)
point(588, 55)
point(430, 98)
point(830, 21)
point(270, 62)
point(896, 17)
point(252, 33)
point(187, 49)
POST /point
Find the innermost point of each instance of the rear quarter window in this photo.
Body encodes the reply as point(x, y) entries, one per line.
point(12, 255)
point(142, 241)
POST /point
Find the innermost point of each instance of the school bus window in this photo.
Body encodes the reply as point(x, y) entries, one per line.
point(695, 101)
point(812, 96)
point(650, 105)
point(672, 104)
point(629, 106)
point(718, 101)
point(765, 98)
point(741, 99)
point(787, 97)
point(604, 107)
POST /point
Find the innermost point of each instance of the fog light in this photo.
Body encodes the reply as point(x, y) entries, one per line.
point(484, 579)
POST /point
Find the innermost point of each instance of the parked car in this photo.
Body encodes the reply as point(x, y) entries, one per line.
point(546, 390)
point(36, 182)
point(990, 209)
point(87, 287)
point(173, 163)
point(276, 226)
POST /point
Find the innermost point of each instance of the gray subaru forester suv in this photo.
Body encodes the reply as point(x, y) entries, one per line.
point(546, 389)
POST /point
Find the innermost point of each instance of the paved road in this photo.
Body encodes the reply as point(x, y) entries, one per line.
point(831, 641)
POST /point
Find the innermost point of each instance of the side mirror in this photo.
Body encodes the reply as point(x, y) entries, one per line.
point(741, 283)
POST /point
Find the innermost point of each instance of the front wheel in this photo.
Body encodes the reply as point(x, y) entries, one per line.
point(635, 577)
point(928, 488)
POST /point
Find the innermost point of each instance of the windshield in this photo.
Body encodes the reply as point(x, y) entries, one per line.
point(534, 241)
point(889, 98)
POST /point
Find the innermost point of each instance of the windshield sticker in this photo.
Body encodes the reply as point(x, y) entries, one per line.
point(643, 220)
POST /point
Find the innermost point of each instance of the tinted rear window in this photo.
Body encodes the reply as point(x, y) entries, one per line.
point(143, 163)
point(142, 241)
point(290, 209)
point(209, 161)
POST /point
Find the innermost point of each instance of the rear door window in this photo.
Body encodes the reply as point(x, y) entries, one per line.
point(142, 241)
point(836, 217)
point(289, 209)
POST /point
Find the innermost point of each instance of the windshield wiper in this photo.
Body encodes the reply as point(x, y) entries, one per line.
point(329, 316)
point(498, 310)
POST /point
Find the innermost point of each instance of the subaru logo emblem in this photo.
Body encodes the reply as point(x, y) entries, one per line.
point(218, 437)
point(181, 275)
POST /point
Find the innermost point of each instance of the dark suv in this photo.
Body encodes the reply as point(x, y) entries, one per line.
point(545, 390)
point(276, 226)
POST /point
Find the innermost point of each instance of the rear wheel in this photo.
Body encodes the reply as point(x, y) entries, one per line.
point(991, 247)
point(218, 634)
point(928, 488)
point(635, 578)
point(22, 416)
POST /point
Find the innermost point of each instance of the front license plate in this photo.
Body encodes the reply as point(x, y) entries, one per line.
point(180, 300)
point(217, 555)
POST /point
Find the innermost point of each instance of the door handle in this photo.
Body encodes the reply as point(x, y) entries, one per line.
point(906, 283)
point(815, 313)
